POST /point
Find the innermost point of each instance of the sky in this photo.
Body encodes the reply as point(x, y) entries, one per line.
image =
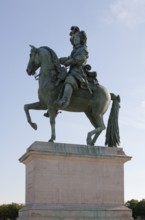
point(116, 44)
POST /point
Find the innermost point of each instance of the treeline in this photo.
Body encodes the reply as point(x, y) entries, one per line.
point(9, 211)
point(138, 208)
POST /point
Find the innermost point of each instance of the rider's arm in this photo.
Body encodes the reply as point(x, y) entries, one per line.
point(79, 59)
point(63, 60)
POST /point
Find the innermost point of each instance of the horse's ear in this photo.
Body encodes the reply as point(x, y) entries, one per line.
point(31, 46)
point(34, 48)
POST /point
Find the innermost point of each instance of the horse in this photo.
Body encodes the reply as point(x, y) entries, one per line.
point(93, 105)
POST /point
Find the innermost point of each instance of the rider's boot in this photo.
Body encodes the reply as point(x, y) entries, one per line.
point(65, 100)
point(46, 114)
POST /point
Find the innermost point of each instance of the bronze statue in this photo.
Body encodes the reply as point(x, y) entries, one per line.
point(75, 61)
point(76, 90)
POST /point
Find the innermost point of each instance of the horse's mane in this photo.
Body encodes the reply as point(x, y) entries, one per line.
point(54, 58)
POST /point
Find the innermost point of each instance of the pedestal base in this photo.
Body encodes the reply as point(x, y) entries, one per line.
point(74, 182)
point(43, 212)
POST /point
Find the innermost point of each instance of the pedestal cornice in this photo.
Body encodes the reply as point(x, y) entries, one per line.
point(46, 149)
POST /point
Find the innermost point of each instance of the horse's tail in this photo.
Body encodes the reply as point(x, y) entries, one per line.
point(112, 132)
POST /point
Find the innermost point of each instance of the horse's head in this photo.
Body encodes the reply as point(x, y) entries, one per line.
point(34, 61)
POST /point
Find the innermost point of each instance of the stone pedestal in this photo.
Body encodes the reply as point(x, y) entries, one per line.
point(74, 182)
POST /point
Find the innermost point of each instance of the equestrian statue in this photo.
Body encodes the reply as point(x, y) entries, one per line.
point(75, 89)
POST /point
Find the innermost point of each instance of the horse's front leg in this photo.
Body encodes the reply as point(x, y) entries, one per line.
point(33, 106)
point(52, 116)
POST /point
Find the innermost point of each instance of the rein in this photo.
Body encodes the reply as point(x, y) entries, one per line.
point(36, 76)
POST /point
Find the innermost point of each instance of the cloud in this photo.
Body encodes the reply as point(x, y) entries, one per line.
point(128, 12)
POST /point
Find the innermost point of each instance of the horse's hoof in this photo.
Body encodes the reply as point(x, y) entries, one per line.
point(90, 141)
point(51, 141)
point(34, 126)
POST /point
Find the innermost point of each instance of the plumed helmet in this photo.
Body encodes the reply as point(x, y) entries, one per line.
point(76, 32)
point(74, 29)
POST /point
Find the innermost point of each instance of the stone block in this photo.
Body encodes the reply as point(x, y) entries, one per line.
point(66, 181)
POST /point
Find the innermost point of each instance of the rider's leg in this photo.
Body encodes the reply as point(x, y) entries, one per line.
point(65, 100)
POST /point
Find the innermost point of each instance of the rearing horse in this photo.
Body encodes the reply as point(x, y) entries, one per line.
point(93, 105)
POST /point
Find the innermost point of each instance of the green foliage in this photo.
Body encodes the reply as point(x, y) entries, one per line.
point(141, 208)
point(9, 211)
point(138, 208)
point(132, 204)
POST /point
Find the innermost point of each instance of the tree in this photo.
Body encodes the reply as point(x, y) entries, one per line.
point(141, 209)
point(138, 208)
point(9, 211)
point(132, 204)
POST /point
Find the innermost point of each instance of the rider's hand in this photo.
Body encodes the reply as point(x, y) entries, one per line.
point(62, 60)
point(69, 62)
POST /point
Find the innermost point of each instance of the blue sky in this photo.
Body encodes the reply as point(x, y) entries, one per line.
point(116, 44)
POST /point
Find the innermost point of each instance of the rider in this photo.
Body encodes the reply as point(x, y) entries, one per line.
point(76, 61)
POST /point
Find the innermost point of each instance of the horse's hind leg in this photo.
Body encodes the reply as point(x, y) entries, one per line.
point(33, 106)
point(98, 131)
point(97, 122)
